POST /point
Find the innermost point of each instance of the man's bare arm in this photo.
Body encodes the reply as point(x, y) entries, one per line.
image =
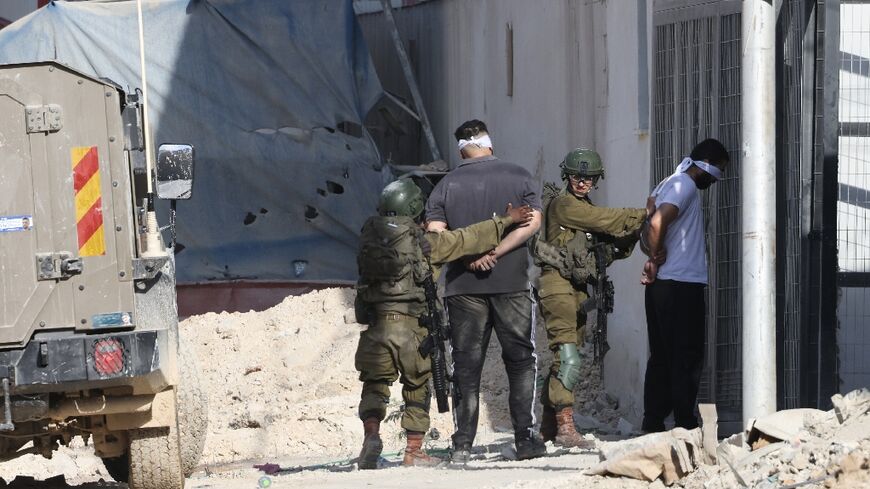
point(658, 227)
point(518, 236)
point(655, 237)
point(436, 226)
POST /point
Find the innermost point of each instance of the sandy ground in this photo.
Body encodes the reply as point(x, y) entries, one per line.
point(488, 471)
point(283, 390)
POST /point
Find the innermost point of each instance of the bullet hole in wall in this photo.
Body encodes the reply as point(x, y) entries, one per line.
point(311, 212)
point(334, 187)
point(350, 128)
point(321, 192)
point(249, 219)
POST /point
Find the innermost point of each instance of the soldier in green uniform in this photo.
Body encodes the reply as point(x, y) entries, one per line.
point(572, 224)
point(395, 257)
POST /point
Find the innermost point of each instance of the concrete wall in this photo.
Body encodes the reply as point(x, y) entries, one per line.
point(575, 83)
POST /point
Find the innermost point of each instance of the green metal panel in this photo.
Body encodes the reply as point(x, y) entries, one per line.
point(38, 180)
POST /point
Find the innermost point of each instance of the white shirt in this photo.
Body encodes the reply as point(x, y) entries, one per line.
point(684, 238)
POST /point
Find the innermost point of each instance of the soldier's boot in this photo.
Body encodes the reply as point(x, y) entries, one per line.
point(414, 454)
point(372, 444)
point(548, 424)
point(566, 432)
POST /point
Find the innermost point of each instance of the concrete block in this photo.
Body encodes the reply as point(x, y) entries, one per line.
point(784, 425)
point(853, 404)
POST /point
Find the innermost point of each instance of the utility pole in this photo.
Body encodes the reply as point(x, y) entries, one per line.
point(758, 192)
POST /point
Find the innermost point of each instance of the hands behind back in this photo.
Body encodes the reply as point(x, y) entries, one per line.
point(519, 215)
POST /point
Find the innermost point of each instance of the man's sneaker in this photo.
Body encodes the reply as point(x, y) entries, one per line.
point(460, 454)
point(532, 447)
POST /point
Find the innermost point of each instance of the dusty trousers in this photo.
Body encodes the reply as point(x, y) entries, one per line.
point(675, 317)
point(472, 320)
point(389, 347)
point(561, 306)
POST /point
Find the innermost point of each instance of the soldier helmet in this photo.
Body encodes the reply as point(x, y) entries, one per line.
point(583, 162)
point(401, 198)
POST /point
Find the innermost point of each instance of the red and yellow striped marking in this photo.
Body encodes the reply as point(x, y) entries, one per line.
point(89, 202)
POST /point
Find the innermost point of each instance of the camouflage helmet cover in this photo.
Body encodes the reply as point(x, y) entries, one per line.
point(583, 162)
point(401, 198)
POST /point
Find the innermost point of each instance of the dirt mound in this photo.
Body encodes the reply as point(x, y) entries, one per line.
point(282, 382)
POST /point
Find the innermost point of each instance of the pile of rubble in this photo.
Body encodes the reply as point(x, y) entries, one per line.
point(788, 449)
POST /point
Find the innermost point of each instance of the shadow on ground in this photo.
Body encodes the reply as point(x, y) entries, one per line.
point(58, 482)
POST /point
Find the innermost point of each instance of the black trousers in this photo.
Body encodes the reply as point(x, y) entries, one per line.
point(472, 320)
point(675, 320)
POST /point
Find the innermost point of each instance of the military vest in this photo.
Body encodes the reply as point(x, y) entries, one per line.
point(391, 263)
point(565, 250)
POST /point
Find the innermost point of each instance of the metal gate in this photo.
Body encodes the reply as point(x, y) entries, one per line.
point(853, 206)
point(697, 95)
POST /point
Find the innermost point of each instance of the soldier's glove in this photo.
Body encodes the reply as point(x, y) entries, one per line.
point(569, 366)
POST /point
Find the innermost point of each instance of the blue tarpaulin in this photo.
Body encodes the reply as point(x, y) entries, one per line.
point(271, 93)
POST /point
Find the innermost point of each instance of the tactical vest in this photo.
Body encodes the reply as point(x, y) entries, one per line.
point(391, 263)
point(567, 251)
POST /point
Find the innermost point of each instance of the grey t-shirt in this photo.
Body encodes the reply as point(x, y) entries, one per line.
point(473, 192)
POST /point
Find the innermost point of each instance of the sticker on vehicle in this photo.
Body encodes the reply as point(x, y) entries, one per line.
point(11, 224)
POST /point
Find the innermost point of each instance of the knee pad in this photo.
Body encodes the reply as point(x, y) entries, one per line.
point(569, 366)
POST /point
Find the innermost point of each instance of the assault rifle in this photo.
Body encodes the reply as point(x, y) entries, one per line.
point(602, 302)
point(433, 345)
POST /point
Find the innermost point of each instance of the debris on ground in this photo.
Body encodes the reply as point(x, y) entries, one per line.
point(787, 449)
point(669, 456)
point(797, 448)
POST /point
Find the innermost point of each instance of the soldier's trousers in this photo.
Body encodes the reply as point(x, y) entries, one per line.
point(389, 350)
point(560, 304)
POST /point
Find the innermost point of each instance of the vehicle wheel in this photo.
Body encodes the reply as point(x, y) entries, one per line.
point(155, 459)
point(192, 410)
point(118, 467)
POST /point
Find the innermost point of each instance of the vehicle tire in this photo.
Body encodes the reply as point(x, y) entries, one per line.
point(118, 467)
point(155, 459)
point(192, 410)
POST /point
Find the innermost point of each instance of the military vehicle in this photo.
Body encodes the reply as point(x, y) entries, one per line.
point(89, 342)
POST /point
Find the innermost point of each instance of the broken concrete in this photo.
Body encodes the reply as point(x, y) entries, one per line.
point(852, 404)
point(797, 448)
point(787, 449)
point(709, 430)
point(784, 425)
point(670, 456)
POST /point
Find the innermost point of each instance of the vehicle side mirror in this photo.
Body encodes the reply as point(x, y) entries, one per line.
point(175, 171)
